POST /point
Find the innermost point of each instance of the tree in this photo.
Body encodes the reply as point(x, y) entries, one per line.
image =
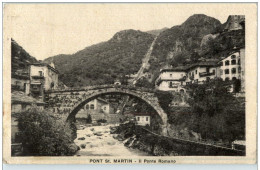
point(218, 114)
point(43, 134)
point(143, 82)
point(165, 99)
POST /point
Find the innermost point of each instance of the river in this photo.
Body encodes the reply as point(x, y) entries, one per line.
point(99, 142)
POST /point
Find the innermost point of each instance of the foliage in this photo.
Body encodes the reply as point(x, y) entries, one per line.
point(104, 62)
point(43, 134)
point(101, 121)
point(216, 113)
point(20, 58)
point(165, 99)
point(143, 82)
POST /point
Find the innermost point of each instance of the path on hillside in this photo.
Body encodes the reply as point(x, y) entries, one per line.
point(145, 61)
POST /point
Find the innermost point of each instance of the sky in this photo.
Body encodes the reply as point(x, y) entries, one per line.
point(45, 30)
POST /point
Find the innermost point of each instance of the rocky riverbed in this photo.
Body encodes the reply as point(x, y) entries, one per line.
point(97, 141)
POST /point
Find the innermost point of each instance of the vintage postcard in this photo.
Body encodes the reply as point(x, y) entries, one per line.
point(129, 83)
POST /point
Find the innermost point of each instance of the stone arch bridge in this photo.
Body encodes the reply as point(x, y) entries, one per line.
point(69, 101)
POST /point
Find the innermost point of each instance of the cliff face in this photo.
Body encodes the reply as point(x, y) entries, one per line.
point(234, 22)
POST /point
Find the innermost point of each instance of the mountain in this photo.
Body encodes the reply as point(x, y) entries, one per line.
point(200, 36)
point(20, 58)
point(104, 62)
point(157, 32)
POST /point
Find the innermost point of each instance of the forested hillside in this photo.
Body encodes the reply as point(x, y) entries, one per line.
point(104, 62)
point(20, 58)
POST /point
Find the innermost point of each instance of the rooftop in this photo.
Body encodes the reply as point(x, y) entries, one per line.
point(21, 97)
point(47, 65)
point(177, 69)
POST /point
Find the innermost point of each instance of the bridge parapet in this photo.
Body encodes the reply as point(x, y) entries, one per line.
point(86, 88)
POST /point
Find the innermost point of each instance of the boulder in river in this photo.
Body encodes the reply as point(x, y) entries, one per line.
point(82, 138)
point(73, 148)
point(92, 129)
point(88, 135)
point(111, 142)
point(93, 145)
point(83, 146)
point(98, 134)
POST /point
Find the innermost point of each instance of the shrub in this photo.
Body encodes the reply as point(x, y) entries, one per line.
point(102, 121)
point(43, 134)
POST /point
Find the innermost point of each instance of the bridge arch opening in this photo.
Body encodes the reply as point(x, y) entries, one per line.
point(72, 115)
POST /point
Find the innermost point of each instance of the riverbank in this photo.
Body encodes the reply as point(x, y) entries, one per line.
point(139, 138)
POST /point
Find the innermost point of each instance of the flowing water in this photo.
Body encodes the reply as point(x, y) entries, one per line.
point(99, 142)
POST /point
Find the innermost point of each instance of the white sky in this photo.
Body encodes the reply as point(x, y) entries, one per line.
point(47, 30)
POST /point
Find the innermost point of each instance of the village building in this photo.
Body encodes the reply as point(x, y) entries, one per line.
point(171, 79)
point(202, 72)
point(20, 83)
point(42, 77)
point(97, 109)
point(20, 102)
point(142, 119)
point(230, 67)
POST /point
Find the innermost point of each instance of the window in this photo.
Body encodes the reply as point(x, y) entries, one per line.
point(233, 71)
point(196, 71)
point(227, 62)
point(238, 61)
point(40, 73)
point(170, 75)
point(170, 84)
point(34, 86)
point(105, 108)
point(233, 56)
point(207, 69)
point(233, 62)
point(87, 107)
point(213, 71)
point(227, 79)
point(147, 119)
point(138, 118)
point(92, 107)
point(221, 63)
point(227, 71)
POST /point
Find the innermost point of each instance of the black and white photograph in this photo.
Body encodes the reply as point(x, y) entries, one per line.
point(138, 83)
